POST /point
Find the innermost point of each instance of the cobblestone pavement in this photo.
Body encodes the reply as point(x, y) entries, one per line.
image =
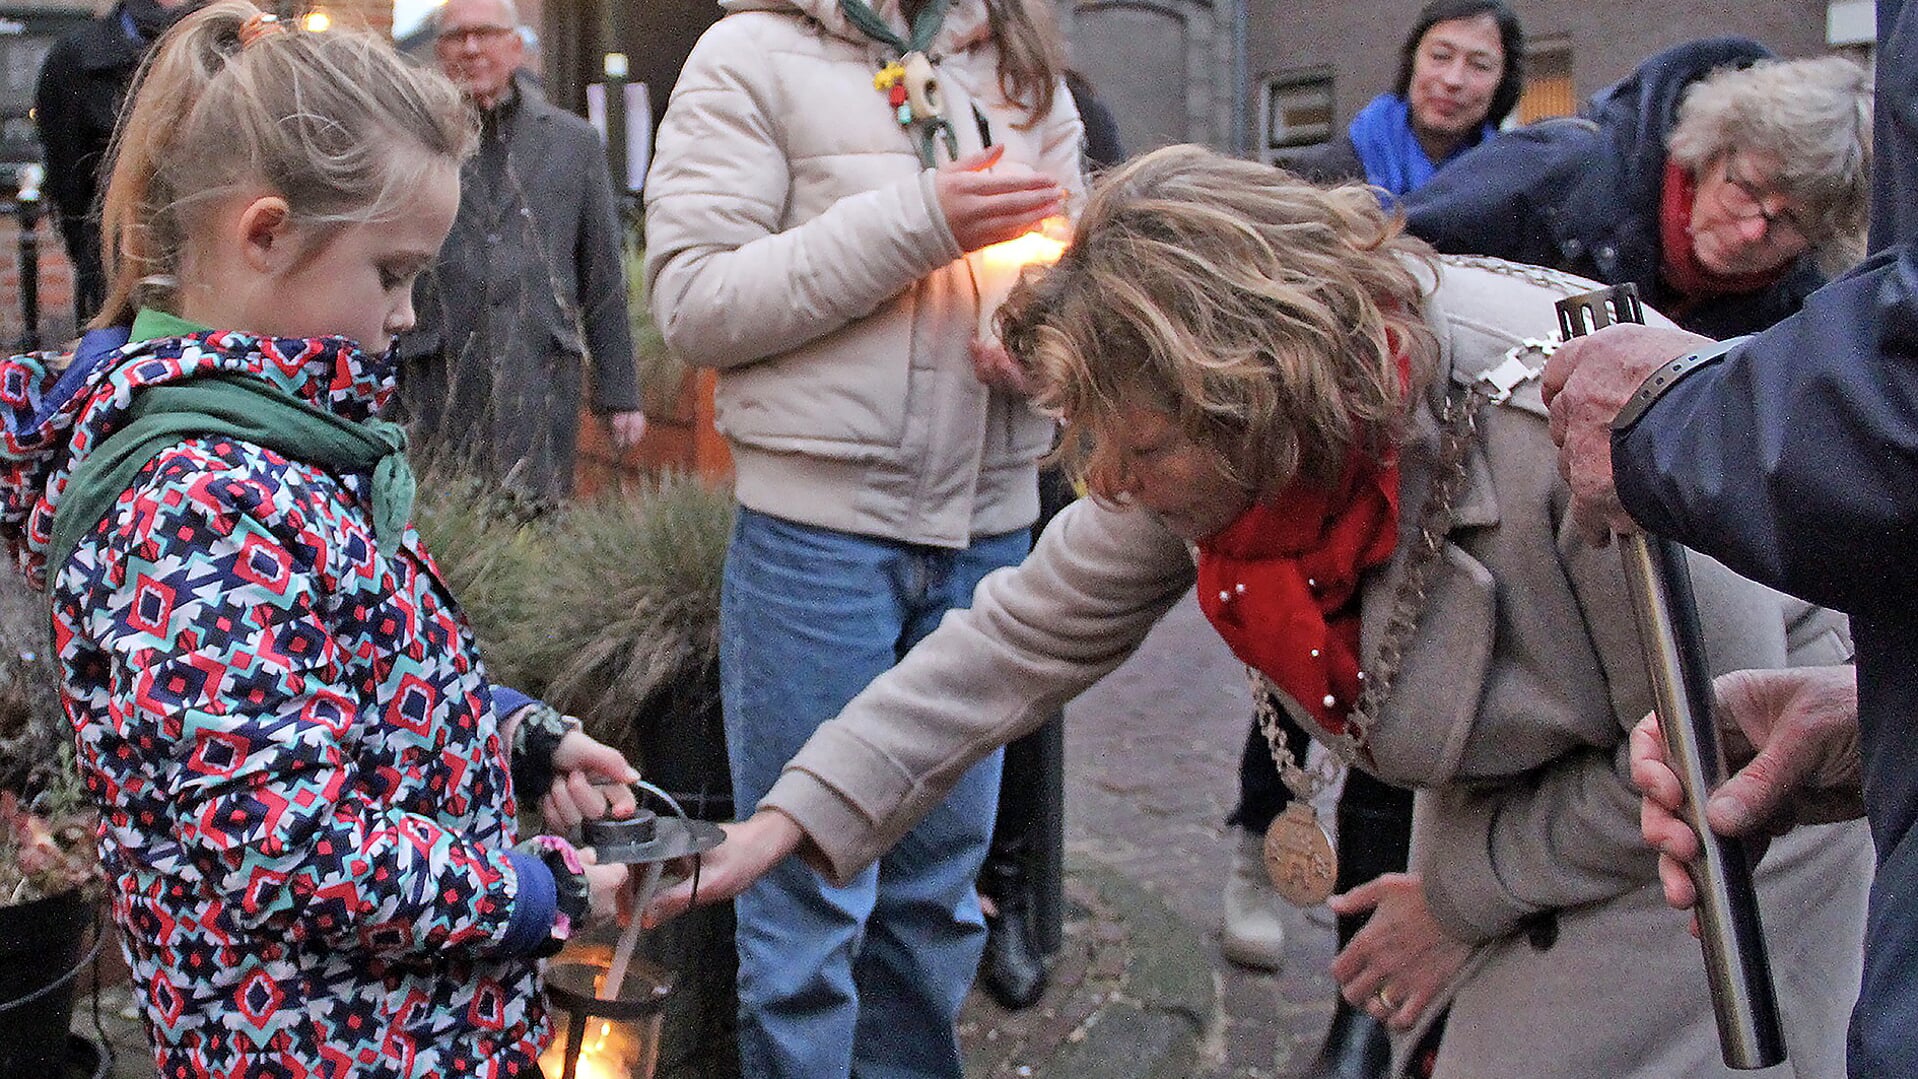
point(1139, 990)
point(1152, 757)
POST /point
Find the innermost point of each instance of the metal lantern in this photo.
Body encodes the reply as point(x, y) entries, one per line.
point(614, 1005)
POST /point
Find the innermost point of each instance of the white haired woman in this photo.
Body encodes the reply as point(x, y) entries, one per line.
point(1714, 177)
point(1264, 384)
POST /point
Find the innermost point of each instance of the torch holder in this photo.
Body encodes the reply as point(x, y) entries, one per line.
point(1750, 1034)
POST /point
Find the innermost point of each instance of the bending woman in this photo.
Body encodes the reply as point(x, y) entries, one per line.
point(1260, 380)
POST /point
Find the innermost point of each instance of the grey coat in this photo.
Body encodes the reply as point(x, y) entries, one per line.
point(1510, 712)
point(529, 284)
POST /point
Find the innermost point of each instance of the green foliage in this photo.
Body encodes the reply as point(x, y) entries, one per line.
point(633, 604)
point(596, 607)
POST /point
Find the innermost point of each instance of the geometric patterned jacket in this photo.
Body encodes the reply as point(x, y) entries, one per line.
point(307, 808)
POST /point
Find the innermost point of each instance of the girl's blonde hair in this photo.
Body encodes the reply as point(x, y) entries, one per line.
point(1264, 315)
point(1032, 54)
point(336, 123)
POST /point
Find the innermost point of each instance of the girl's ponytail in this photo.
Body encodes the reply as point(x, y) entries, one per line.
point(141, 236)
point(335, 122)
point(1032, 54)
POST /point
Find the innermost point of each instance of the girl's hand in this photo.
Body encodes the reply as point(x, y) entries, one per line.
point(995, 367)
point(605, 886)
point(752, 848)
point(1398, 964)
point(984, 208)
point(589, 783)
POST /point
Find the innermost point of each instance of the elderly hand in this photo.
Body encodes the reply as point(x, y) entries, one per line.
point(995, 367)
point(983, 207)
point(627, 428)
point(752, 848)
point(1587, 381)
point(590, 782)
point(1400, 962)
point(1793, 737)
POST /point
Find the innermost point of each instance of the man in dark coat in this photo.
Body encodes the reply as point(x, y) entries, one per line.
point(529, 285)
point(1589, 196)
point(83, 83)
point(1791, 457)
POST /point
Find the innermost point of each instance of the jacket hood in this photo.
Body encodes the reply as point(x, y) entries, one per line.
point(965, 24)
point(51, 425)
point(1640, 109)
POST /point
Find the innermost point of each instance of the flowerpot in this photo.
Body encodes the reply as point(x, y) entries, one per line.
point(42, 948)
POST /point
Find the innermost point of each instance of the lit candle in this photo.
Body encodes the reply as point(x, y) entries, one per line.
point(603, 1056)
point(999, 265)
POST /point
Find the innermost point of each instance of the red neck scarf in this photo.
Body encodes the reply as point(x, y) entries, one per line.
point(1678, 263)
point(1280, 584)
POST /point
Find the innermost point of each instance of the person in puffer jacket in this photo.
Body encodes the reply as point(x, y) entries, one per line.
point(307, 790)
point(826, 182)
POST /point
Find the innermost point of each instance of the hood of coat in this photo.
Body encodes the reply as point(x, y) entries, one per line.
point(1639, 110)
point(966, 24)
point(49, 428)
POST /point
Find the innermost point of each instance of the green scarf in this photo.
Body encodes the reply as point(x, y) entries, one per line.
point(231, 404)
point(924, 29)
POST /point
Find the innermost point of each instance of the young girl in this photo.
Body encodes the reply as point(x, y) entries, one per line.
point(825, 172)
point(308, 815)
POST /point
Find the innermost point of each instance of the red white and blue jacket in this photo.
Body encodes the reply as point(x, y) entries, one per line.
point(307, 805)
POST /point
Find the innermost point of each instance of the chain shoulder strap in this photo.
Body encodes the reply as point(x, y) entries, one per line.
point(1459, 429)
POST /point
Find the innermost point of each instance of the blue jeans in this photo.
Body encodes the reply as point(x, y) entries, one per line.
point(864, 980)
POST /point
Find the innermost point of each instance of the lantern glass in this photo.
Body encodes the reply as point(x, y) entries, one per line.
point(614, 1038)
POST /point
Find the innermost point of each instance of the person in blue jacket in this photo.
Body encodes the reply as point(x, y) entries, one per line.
point(1461, 71)
point(1791, 456)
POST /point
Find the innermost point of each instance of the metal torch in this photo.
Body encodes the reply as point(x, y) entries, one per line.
point(1661, 589)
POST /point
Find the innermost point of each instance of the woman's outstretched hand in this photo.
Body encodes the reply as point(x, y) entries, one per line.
point(1400, 962)
point(752, 848)
point(983, 207)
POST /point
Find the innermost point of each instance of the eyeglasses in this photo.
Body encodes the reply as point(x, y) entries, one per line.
point(1745, 201)
point(457, 37)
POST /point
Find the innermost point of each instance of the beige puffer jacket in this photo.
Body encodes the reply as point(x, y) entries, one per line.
point(795, 243)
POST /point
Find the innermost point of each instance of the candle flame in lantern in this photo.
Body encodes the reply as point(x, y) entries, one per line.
point(604, 1055)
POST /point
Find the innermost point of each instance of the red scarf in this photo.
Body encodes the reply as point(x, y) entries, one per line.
point(1678, 265)
point(1280, 584)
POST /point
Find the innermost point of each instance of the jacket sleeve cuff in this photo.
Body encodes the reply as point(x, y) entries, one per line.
point(844, 837)
point(949, 248)
point(1464, 893)
point(533, 908)
point(507, 700)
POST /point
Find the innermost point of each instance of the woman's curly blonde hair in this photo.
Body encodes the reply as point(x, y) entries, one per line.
point(1259, 312)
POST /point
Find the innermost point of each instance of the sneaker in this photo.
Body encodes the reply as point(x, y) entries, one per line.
point(1254, 933)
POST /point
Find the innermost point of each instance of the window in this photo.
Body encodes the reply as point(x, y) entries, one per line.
point(1295, 113)
point(1548, 84)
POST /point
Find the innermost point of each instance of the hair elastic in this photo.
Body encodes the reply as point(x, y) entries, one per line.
point(259, 26)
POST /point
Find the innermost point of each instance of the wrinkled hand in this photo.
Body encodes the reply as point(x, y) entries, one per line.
point(984, 208)
point(995, 367)
point(1402, 951)
point(752, 848)
point(627, 428)
point(590, 782)
point(1587, 381)
point(605, 887)
point(1791, 735)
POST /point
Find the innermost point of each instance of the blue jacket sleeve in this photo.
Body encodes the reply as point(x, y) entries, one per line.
point(1791, 459)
